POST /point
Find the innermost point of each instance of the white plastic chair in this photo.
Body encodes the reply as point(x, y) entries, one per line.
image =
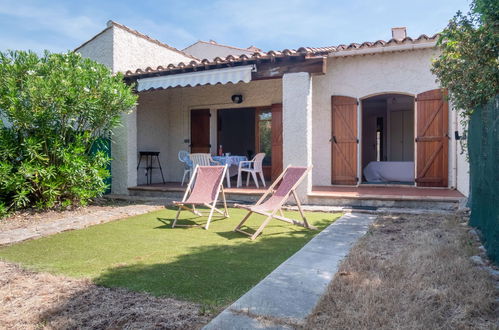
point(183, 156)
point(252, 167)
point(202, 160)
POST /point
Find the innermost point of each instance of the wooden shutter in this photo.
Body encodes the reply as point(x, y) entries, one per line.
point(276, 128)
point(344, 140)
point(432, 139)
point(200, 131)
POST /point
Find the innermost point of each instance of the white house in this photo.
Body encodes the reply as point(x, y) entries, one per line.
point(359, 113)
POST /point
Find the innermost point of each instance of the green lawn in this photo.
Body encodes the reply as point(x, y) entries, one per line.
point(143, 253)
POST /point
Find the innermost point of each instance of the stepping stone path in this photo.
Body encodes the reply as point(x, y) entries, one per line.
point(289, 294)
point(78, 222)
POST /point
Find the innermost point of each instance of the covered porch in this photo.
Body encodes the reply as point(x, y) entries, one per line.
point(204, 119)
point(234, 109)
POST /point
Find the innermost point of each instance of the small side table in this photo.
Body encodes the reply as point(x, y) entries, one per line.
point(149, 157)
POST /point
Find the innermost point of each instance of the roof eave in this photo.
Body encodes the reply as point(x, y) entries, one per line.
point(192, 67)
point(383, 49)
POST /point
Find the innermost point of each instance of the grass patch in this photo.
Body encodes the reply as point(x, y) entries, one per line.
point(143, 253)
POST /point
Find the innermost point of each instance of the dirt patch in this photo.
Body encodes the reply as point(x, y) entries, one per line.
point(29, 218)
point(411, 272)
point(30, 300)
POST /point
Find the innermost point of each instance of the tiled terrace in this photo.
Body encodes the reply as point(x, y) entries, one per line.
point(360, 192)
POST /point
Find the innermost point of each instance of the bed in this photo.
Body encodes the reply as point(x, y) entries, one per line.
point(383, 172)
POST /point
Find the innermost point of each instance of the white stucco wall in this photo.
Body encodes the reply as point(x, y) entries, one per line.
point(121, 50)
point(124, 154)
point(100, 49)
point(132, 52)
point(297, 124)
point(362, 76)
point(163, 117)
point(204, 50)
point(153, 131)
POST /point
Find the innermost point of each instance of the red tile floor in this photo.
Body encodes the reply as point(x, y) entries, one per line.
point(360, 192)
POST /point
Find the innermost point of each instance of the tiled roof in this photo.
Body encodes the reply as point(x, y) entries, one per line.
point(307, 52)
point(376, 44)
point(110, 24)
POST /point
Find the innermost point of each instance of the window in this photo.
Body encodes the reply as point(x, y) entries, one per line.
point(264, 134)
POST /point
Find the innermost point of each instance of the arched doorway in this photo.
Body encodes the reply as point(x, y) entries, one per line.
point(387, 148)
point(403, 139)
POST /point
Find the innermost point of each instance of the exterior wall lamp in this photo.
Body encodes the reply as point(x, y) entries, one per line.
point(237, 98)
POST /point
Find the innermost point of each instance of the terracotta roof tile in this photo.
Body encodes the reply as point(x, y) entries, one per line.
point(307, 52)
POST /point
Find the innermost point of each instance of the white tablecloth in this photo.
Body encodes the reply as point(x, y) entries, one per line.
point(389, 172)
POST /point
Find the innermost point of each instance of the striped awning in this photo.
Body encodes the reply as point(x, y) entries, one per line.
point(208, 77)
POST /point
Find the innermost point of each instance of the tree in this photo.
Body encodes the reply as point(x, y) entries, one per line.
point(53, 108)
point(469, 63)
point(469, 67)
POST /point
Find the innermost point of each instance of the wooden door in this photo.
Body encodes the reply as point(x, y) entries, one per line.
point(200, 131)
point(432, 139)
point(276, 127)
point(344, 140)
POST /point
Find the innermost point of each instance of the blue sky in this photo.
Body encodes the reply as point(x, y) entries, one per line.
point(64, 25)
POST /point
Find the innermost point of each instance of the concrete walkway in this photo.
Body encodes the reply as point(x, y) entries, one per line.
point(289, 294)
point(72, 222)
point(373, 210)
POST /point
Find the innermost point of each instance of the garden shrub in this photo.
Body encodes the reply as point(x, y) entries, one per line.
point(52, 109)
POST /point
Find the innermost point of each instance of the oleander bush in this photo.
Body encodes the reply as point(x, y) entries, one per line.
point(53, 109)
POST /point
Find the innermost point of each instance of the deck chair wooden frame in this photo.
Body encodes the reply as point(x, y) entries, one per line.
point(273, 214)
point(212, 206)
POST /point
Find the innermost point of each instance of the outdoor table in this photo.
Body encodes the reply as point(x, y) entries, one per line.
point(232, 163)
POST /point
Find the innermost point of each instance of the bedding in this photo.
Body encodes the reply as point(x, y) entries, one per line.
point(389, 172)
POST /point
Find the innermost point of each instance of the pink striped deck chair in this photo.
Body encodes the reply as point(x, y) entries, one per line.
point(203, 189)
point(272, 201)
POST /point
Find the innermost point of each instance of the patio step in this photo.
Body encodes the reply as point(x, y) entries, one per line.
point(443, 201)
point(392, 202)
